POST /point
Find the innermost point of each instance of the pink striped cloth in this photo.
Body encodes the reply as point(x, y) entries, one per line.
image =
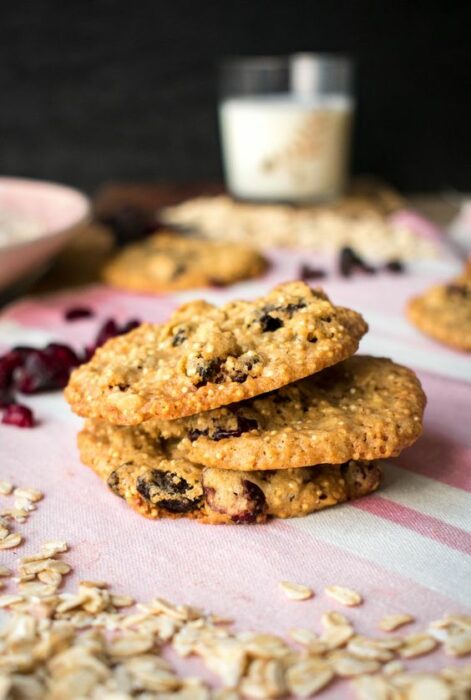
point(407, 548)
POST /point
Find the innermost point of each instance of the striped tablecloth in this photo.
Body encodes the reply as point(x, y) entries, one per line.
point(406, 548)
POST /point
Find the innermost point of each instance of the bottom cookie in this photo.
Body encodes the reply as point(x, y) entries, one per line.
point(143, 471)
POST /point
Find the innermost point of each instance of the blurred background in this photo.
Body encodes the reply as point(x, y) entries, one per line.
point(113, 90)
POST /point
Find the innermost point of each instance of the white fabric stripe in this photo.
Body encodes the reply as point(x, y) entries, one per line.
point(456, 367)
point(446, 503)
point(12, 333)
point(394, 547)
point(390, 324)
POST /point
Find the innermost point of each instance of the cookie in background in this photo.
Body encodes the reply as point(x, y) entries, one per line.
point(167, 262)
point(443, 312)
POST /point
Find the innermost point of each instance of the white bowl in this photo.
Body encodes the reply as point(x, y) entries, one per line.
point(58, 210)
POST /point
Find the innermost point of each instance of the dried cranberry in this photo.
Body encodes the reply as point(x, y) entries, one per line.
point(8, 364)
point(180, 505)
point(129, 222)
point(157, 483)
point(306, 273)
point(129, 326)
point(290, 309)
point(350, 261)
point(195, 433)
point(208, 371)
point(179, 337)
point(256, 503)
point(110, 329)
point(5, 398)
point(244, 425)
point(19, 415)
point(270, 323)
point(74, 313)
point(46, 370)
point(395, 266)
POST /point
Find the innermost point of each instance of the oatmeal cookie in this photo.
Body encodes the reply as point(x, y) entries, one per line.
point(168, 262)
point(144, 472)
point(444, 312)
point(207, 356)
point(363, 408)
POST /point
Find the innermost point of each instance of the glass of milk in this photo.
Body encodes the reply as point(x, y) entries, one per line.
point(285, 126)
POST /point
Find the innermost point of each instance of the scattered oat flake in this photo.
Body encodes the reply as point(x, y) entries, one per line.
point(7, 600)
point(458, 643)
point(94, 584)
point(349, 666)
point(392, 622)
point(28, 493)
point(122, 601)
point(431, 688)
point(343, 595)
point(333, 618)
point(337, 637)
point(417, 645)
point(5, 488)
point(393, 667)
point(10, 541)
point(308, 677)
point(296, 591)
point(5, 571)
point(373, 688)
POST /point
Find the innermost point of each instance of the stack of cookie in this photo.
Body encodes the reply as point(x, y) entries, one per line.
point(246, 411)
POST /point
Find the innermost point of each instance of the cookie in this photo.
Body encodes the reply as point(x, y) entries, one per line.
point(143, 471)
point(205, 356)
point(168, 262)
point(363, 408)
point(444, 312)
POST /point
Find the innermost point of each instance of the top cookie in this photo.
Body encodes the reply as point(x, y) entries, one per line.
point(444, 312)
point(205, 356)
point(169, 262)
point(363, 408)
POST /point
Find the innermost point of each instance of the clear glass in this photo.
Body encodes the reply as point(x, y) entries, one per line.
point(285, 126)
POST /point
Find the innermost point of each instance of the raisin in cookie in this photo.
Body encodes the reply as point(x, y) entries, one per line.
point(169, 262)
point(444, 312)
point(143, 471)
point(363, 408)
point(205, 356)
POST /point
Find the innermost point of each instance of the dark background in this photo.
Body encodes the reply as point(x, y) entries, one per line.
point(104, 90)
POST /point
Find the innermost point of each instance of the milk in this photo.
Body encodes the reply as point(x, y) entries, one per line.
point(286, 147)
